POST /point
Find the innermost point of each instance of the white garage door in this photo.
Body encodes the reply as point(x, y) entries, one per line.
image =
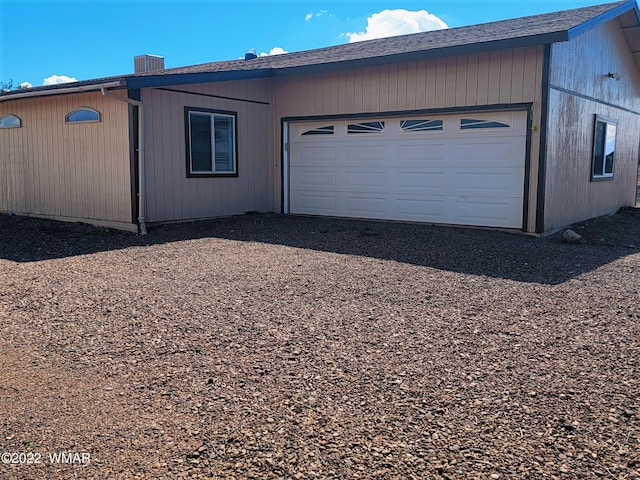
point(465, 169)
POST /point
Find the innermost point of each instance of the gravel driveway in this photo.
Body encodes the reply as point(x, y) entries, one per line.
point(266, 346)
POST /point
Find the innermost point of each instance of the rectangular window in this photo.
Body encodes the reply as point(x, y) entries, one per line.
point(211, 142)
point(604, 148)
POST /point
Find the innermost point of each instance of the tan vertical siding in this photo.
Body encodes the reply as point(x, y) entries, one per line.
point(501, 77)
point(577, 95)
point(440, 93)
point(484, 67)
point(461, 80)
point(411, 85)
point(451, 81)
point(78, 172)
point(506, 77)
point(171, 195)
point(517, 75)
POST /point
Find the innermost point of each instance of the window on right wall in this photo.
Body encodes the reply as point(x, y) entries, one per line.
point(604, 148)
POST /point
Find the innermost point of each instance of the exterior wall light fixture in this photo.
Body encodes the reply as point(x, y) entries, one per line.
point(614, 75)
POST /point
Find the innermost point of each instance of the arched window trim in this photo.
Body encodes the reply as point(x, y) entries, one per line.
point(82, 109)
point(9, 115)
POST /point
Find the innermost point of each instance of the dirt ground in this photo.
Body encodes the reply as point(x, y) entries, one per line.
point(278, 347)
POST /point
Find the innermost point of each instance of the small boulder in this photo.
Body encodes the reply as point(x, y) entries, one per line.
point(570, 236)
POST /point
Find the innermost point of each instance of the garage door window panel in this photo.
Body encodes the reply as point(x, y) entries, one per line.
point(365, 127)
point(422, 125)
point(211, 143)
point(326, 130)
point(473, 122)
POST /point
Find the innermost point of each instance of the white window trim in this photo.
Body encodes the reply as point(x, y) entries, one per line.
point(9, 115)
point(234, 143)
point(429, 131)
point(607, 122)
point(80, 109)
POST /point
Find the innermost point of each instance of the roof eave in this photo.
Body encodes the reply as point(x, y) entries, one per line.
point(198, 77)
point(62, 89)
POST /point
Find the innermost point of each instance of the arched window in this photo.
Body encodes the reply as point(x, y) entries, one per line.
point(10, 121)
point(82, 115)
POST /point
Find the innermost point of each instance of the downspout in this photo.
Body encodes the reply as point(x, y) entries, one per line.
point(141, 182)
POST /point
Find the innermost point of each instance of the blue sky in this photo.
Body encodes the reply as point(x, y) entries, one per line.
point(86, 39)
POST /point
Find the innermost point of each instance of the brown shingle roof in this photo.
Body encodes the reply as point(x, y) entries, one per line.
point(520, 31)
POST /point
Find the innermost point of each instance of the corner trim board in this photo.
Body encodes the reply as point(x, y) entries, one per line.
point(134, 147)
point(527, 170)
point(542, 158)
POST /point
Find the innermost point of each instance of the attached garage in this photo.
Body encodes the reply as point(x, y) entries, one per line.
point(496, 125)
point(463, 168)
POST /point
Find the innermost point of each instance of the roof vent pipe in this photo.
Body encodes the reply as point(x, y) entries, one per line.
point(250, 55)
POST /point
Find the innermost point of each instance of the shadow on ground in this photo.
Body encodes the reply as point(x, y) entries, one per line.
point(472, 251)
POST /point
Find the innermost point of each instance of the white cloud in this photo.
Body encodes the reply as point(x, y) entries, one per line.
point(310, 15)
point(389, 23)
point(56, 79)
point(25, 85)
point(274, 51)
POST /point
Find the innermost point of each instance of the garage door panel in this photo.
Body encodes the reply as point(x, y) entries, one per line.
point(421, 153)
point(489, 153)
point(365, 179)
point(366, 155)
point(482, 211)
point(457, 176)
point(314, 204)
point(314, 155)
point(426, 181)
point(422, 209)
point(305, 178)
point(490, 181)
point(366, 206)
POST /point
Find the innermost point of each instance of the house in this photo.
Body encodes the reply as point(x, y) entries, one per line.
point(528, 124)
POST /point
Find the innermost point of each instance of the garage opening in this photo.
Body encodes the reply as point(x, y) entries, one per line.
point(465, 169)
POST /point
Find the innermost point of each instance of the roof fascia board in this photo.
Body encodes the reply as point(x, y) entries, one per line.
point(604, 18)
point(190, 78)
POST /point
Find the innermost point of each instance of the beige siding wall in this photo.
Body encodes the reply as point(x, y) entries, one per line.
point(171, 196)
point(581, 66)
point(502, 77)
point(67, 171)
